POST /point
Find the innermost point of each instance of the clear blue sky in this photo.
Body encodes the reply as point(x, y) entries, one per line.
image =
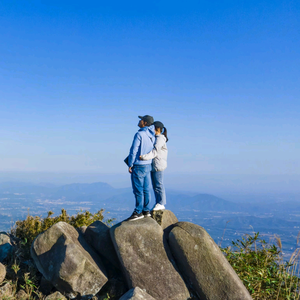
point(224, 77)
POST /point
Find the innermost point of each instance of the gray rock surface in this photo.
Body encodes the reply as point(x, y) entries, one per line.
point(164, 218)
point(56, 296)
point(97, 235)
point(2, 272)
point(136, 294)
point(65, 259)
point(145, 264)
point(203, 265)
point(6, 291)
point(5, 246)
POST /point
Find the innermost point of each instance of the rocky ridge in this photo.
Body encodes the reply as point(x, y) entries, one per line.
point(151, 258)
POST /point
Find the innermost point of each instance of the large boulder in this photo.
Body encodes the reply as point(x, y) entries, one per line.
point(165, 218)
point(145, 264)
point(136, 294)
point(5, 246)
point(97, 235)
point(203, 265)
point(65, 259)
point(2, 272)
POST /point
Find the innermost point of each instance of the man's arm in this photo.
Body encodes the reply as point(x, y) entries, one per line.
point(153, 153)
point(134, 150)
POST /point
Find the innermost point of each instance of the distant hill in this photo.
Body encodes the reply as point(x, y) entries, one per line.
point(101, 193)
point(202, 202)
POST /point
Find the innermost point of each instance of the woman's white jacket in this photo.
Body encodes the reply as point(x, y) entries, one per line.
point(159, 154)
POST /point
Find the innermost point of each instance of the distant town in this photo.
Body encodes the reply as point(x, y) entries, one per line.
point(224, 220)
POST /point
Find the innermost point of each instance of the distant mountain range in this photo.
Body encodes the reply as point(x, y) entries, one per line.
point(213, 213)
point(103, 194)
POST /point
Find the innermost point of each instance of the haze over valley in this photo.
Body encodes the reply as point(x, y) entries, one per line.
point(225, 220)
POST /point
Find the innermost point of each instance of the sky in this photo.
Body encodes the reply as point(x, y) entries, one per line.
point(223, 76)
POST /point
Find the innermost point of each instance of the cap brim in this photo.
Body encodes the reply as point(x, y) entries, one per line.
point(140, 117)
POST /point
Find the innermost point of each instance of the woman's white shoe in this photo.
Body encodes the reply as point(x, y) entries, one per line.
point(158, 207)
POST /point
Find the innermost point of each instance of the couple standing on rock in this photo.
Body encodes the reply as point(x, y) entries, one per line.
point(146, 161)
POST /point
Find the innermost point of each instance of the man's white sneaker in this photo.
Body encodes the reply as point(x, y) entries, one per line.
point(158, 207)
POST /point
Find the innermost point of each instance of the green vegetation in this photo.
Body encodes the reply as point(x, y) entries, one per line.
point(262, 269)
point(260, 265)
point(21, 271)
point(28, 229)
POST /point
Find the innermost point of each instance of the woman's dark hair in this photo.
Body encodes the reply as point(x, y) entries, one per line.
point(163, 129)
point(165, 133)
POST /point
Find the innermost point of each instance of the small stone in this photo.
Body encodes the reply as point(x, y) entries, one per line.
point(56, 296)
point(2, 272)
point(6, 290)
point(21, 295)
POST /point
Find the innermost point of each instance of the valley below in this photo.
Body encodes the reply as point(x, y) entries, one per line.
point(224, 220)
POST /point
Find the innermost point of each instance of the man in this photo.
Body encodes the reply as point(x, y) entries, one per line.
point(140, 169)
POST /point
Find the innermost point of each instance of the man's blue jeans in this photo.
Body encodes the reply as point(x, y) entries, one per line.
point(140, 180)
point(158, 187)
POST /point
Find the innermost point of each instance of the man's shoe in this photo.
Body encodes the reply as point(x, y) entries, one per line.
point(158, 207)
point(146, 213)
point(135, 216)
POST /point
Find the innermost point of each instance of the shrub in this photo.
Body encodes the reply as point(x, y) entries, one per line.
point(21, 271)
point(28, 229)
point(262, 269)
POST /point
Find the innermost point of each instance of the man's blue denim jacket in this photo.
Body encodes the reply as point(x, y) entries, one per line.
point(143, 142)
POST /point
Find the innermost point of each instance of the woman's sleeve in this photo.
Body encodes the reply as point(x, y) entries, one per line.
point(153, 153)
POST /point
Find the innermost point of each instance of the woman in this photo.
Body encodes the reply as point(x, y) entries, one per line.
point(159, 155)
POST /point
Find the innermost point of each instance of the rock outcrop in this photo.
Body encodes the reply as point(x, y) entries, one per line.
point(2, 273)
point(65, 259)
point(136, 294)
point(145, 264)
point(5, 246)
point(98, 236)
point(165, 218)
point(203, 265)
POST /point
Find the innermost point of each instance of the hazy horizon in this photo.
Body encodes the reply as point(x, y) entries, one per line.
point(232, 187)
